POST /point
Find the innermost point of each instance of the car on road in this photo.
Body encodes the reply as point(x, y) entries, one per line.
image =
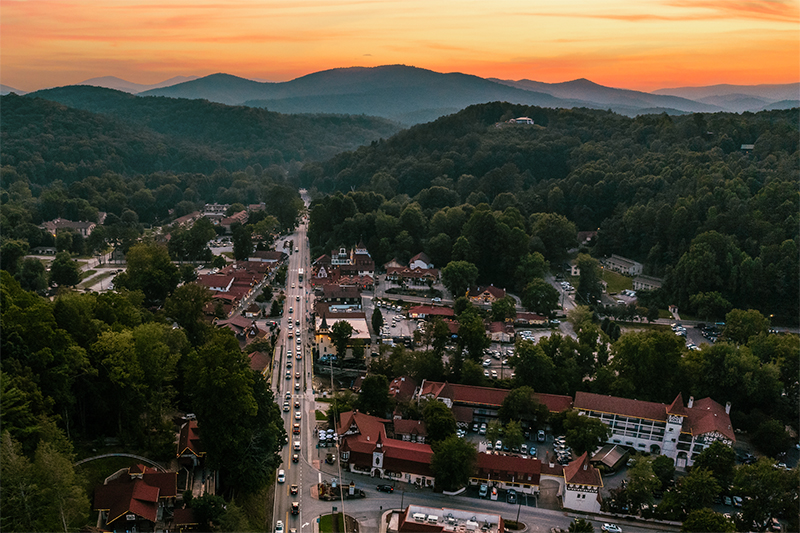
point(286, 407)
point(281, 476)
point(384, 488)
point(293, 490)
point(288, 374)
point(298, 415)
point(611, 528)
point(296, 385)
point(297, 375)
point(295, 457)
point(297, 403)
point(295, 507)
point(296, 447)
point(288, 363)
point(279, 526)
point(296, 429)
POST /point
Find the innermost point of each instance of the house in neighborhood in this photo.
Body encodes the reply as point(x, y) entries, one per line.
point(677, 431)
point(500, 332)
point(134, 498)
point(646, 283)
point(582, 484)
point(187, 221)
point(54, 226)
point(486, 295)
point(215, 282)
point(402, 389)
point(190, 448)
point(236, 218)
point(622, 265)
point(420, 261)
point(259, 362)
point(412, 276)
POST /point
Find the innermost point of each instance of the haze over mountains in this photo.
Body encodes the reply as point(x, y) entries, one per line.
point(411, 95)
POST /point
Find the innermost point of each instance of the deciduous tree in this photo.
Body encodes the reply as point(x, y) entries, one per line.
point(453, 462)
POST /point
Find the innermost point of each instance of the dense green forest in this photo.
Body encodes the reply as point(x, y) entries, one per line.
point(86, 367)
point(675, 193)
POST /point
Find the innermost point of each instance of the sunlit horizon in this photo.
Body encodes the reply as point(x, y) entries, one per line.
point(646, 45)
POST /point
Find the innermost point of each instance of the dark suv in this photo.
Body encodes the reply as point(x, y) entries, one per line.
point(385, 488)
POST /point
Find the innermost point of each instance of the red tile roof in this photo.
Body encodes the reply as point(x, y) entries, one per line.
point(184, 517)
point(410, 427)
point(676, 407)
point(434, 310)
point(127, 494)
point(259, 361)
point(508, 468)
point(402, 388)
point(473, 395)
point(463, 414)
point(189, 439)
point(707, 416)
point(588, 401)
point(581, 472)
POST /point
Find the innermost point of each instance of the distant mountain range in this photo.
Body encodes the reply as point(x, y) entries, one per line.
point(112, 82)
point(411, 95)
point(5, 89)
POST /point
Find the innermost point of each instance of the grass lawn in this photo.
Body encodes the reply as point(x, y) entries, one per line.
point(87, 273)
point(326, 399)
point(326, 524)
point(663, 313)
point(617, 282)
point(319, 415)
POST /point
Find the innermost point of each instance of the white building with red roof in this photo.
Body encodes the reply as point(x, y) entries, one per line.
point(507, 472)
point(486, 294)
point(677, 431)
point(366, 449)
point(582, 484)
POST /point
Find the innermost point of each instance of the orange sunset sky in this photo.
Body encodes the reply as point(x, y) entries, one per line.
point(642, 44)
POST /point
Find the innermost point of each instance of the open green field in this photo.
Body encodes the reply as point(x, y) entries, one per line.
point(617, 282)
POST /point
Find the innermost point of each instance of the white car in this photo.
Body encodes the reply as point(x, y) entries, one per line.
point(297, 415)
point(611, 528)
point(281, 476)
point(279, 526)
point(487, 363)
point(498, 445)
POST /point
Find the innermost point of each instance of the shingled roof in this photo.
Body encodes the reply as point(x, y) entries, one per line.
point(581, 472)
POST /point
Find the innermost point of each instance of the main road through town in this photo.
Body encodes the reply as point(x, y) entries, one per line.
point(294, 385)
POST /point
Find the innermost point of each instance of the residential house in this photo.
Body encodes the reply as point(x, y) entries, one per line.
point(253, 311)
point(402, 389)
point(582, 485)
point(420, 261)
point(412, 276)
point(622, 265)
point(500, 332)
point(259, 362)
point(677, 431)
point(522, 120)
point(190, 448)
point(215, 282)
point(486, 295)
point(83, 228)
point(187, 221)
point(236, 218)
point(134, 498)
point(646, 283)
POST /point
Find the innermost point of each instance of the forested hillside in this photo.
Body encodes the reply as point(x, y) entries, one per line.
point(148, 134)
point(676, 193)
